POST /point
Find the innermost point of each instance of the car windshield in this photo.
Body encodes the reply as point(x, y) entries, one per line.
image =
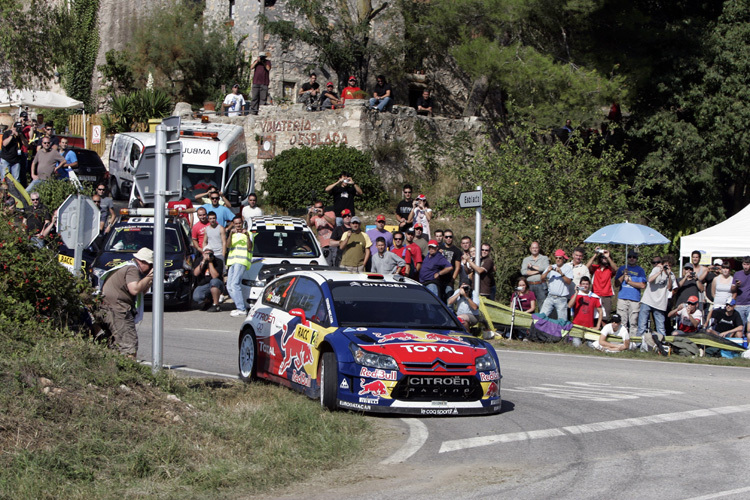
point(197, 179)
point(281, 244)
point(130, 239)
point(389, 305)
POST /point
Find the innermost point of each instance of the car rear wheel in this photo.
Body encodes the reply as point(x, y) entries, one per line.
point(328, 380)
point(247, 356)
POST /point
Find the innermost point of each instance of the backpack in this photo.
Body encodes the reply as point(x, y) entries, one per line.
point(684, 347)
point(544, 329)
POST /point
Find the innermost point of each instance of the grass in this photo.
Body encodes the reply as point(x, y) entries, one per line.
point(79, 421)
point(568, 348)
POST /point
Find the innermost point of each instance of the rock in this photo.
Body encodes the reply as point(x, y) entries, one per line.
point(125, 388)
point(183, 110)
point(44, 382)
point(172, 397)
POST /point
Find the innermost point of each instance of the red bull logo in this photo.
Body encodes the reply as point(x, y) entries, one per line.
point(402, 336)
point(376, 388)
point(445, 338)
point(493, 390)
point(295, 351)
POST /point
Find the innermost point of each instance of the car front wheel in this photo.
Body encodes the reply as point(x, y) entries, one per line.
point(328, 381)
point(247, 356)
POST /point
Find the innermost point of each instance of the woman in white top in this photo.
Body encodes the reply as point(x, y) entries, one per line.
point(721, 286)
point(421, 214)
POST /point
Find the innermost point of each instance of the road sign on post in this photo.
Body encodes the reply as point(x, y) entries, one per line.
point(470, 199)
point(473, 199)
point(145, 174)
point(78, 225)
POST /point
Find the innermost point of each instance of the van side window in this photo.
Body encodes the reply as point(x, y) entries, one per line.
point(135, 154)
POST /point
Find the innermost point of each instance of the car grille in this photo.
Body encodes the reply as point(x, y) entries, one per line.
point(430, 388)
point(438, 365)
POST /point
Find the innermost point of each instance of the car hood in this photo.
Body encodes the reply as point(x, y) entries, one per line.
point(108, 260)
point(423, 346)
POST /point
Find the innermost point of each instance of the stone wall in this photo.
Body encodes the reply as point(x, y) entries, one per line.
point(278, 128)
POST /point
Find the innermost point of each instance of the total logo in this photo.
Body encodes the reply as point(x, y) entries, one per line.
point(268, 349)
point(377, 373)
point(489, 376)
point(430, 348)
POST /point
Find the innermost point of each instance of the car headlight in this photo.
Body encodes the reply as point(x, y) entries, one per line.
point(371, 359)
point(485, 363)
point(173, 276)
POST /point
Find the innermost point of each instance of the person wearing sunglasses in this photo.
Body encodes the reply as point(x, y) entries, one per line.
point(631, 278)
point(688, 316)
point(349, 90)
point(655, 299)
point(559, 276)
point(224, 216)
point(404, 208)
point(46, 164)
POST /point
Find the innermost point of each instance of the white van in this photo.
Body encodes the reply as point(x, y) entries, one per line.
point(211, 155)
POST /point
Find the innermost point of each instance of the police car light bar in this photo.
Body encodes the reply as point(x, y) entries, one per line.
point(145, 212)
point(197, 133)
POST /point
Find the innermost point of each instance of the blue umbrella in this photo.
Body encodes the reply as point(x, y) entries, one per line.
point(626, 234)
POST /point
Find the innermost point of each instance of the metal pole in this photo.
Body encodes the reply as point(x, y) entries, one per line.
point(478, 246)
point(157, 289)
point(77, 219)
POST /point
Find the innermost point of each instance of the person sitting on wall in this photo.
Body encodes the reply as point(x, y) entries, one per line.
point(330, 98)
point(424, 104)
point(349, 90)
point(309, 93)
point(382, 95)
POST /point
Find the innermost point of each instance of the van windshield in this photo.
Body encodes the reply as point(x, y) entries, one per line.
point(197, 179)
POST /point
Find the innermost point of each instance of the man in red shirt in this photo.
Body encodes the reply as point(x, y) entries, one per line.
point(403, 252)
point(415, 251)
point(603, 272)
point(349, 90)
point(585, 303)
point(198, 233)
point(186, 208)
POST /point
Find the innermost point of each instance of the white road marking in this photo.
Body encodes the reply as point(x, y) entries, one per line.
point(722, 494)
point(204, 330)
point(418, 435)
point(461, 444)
point(192, 370)
point(592, 391)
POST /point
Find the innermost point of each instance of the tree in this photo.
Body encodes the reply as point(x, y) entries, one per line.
point(83, 46)
point(341, 34)
point(30, 44)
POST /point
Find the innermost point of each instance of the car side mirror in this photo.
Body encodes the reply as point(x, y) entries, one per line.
point(300, 314)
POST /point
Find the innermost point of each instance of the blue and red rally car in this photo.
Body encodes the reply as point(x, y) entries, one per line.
point(370, 343)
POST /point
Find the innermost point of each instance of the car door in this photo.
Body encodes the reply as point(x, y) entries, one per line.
point(270, 321)
point(240, 184)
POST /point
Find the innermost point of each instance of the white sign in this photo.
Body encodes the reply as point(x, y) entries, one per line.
point(96, 134)
point(470, 199)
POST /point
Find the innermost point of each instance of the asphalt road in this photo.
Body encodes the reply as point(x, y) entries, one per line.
point(572, 427)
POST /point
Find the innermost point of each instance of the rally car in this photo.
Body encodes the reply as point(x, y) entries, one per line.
point(369, 343)
point(136, 230)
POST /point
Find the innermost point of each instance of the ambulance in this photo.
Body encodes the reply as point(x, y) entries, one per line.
point(213, 154)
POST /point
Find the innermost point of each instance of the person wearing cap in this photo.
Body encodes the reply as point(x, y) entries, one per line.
point(379, 232)
point(330, 97)
point(343, 192)
point(208, 272)
point(741, 290)
point(122, 299)
point(721, 286)
point(714, 270)
point(403, 251)
point(261, 68)
point(385, 262)
point(631, 278)
point(655, 298)
point(233, 102)
point(420, 239)
point(349, 90)
point(424, 103)
point(421, 214)
point(688, 316)
point(309, 93)
point(334, 257)
point(466, 309)
point(355, 247)
point(726, 320)
point(434, 266)
point(382, 95)
point(615, 329)
point(689, 285)
point(559, 276)
point(415, 250)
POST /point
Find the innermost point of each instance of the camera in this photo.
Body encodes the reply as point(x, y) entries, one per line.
point(519, 289)
point(579, 288)
point(599, 251)
point(465, 288)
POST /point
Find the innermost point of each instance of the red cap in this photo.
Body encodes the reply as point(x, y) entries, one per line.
point(329, 83)
point(380, 217)
point(352, 78)
point(345, 212)
point(692, 299)
point(560, 253)
point(417, 226)
point(432, 243)
point(421, 197)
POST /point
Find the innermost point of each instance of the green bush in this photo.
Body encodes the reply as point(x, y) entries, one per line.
point(54, 192)
point(136, 107)
point(298, 176)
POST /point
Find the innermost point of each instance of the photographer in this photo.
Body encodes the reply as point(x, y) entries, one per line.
point(688, 316)
point(261, 80)
point(586, 306)
point(421, 214)
point(11, 152)
point(208, 272)
point(655, 299)
point(466, 309)
point(689, 285)
point(323, 223)
point(602, 273)
point(343, 191)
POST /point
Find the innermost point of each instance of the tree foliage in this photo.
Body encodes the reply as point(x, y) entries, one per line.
point(80, 58)
point(298, 176)
point(137, 107)
point(339, 30)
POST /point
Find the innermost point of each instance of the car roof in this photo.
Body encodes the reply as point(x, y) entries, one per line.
point(278, 222)
point(343, 276)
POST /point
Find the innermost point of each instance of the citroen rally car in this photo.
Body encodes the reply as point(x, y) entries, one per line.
point(370, 343)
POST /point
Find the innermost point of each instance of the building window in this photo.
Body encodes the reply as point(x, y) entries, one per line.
point(231, 9)
point(289, 91)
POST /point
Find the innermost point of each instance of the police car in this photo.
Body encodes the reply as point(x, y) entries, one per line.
point(279, 240)
point(369, 343)
point(136, 230)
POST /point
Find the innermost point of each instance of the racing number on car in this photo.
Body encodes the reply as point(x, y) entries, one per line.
point(307, 335)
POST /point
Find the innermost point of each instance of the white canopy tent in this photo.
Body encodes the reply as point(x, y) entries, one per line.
point(17, 98)
point(730, 238)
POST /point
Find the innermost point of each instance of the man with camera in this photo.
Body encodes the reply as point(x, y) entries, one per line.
point(689, 318)
point(343, 191)
point(323, 223)
point(261, 80)
point(208, 272)
point(655, 299)
point(466, 309)
point(631, 279)
point(690, 285)
point(602, 273)
point(12, 151)
point(586, 306)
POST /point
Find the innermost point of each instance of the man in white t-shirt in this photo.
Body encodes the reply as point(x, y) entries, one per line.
point(689, 317)
point(234, 102)
point(615, 329)
point(251, 210)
